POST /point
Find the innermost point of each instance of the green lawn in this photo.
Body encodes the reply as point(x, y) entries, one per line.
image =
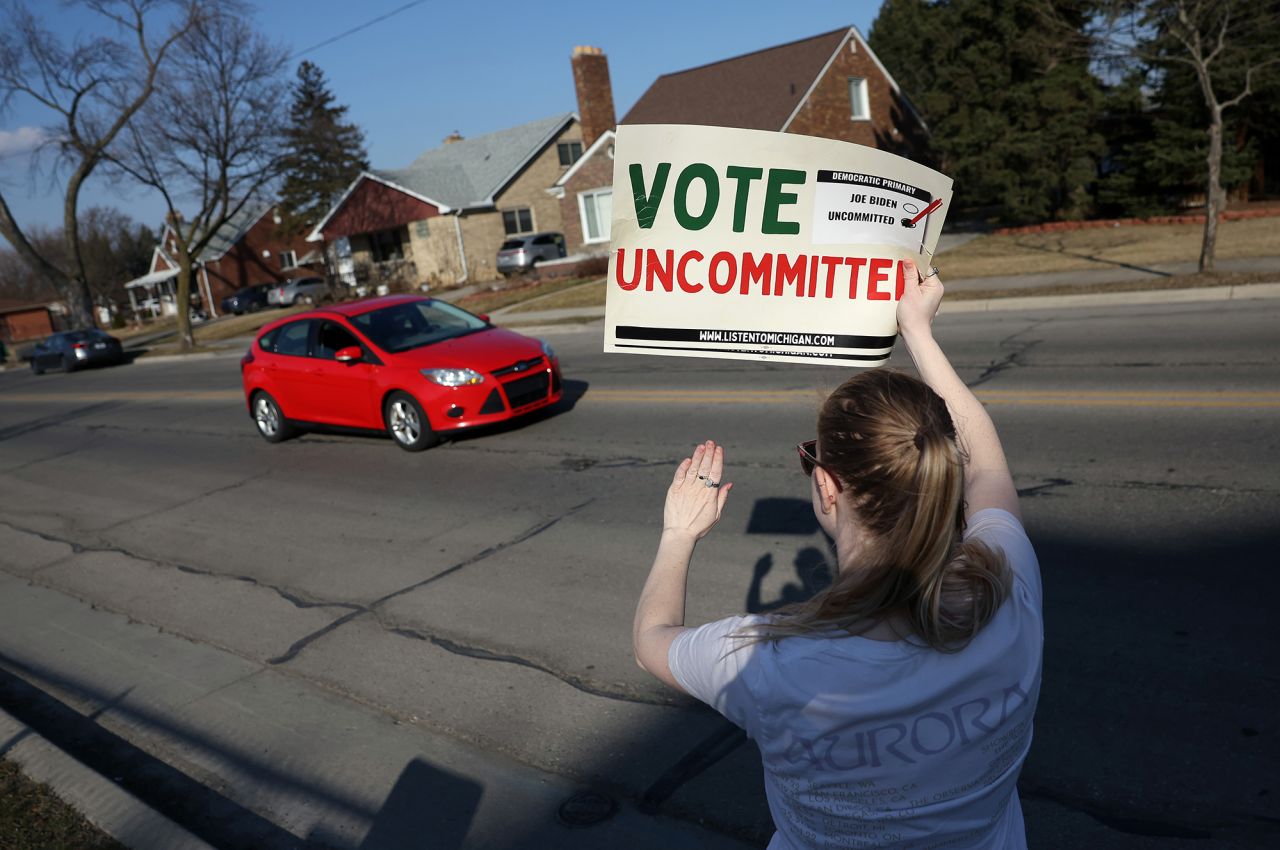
point(1136, 244)
point(33, 818)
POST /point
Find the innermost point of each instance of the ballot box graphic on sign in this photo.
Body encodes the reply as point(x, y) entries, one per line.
point(768, 246)
point(852, 208)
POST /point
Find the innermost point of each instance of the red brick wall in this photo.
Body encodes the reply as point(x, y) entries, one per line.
point(375, 206)
point(593, 174)
point(23, 325)
point(244, 265)
point(827, 110)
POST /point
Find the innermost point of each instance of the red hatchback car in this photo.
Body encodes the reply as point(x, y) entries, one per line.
point(413, 366)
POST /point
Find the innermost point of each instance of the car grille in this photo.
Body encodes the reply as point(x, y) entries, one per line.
point(524, 391)
point(518, 366)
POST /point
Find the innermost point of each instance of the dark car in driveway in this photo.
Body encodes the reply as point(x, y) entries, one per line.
point(412, 366)
point(249, 299)
point(71, 350)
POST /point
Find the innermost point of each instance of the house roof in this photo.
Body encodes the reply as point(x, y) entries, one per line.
point(226, 236)
point(8, 305)
point(471, 172)
point(755, 91)
point(762, 90)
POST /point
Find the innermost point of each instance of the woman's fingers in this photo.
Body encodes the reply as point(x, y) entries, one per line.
point(707, 460)
point(722, 496)
point(681, 471)
point(717, 463)
point(695, 462)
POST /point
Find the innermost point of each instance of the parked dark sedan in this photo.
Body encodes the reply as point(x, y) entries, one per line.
point(71, 350)
point(249, 299)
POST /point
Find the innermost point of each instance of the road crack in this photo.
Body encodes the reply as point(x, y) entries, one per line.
point(528, 534)
point(185, 502)
point(1015, 349)
point(55, 420)
point(574, 681)
point(78, 548)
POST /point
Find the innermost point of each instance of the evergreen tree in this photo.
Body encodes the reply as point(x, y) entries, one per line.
point(323, 153)
point(1006, 90)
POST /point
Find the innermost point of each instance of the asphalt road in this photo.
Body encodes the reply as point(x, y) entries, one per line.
point(485, 588)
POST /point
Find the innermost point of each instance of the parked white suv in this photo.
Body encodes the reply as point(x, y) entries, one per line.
point(305, 289)
point(521, 253)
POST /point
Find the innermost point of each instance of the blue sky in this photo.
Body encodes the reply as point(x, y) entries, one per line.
point(441, 66)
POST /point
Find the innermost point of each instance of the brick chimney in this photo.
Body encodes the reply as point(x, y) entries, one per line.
point(595, 93)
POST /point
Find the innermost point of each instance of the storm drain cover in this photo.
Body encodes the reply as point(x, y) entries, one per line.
point(586, 809)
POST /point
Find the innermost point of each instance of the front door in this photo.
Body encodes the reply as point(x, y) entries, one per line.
point(340, 393)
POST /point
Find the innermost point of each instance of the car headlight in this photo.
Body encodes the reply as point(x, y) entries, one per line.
point(547, 349)
point(453, 377)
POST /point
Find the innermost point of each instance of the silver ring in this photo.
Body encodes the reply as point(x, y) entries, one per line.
point(710, 483)
point(933, 271)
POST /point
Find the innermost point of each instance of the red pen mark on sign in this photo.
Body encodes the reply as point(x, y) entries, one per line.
point(924, 212)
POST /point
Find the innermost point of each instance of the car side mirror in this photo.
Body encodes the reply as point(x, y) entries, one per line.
point(350, 354)
point(484, 317)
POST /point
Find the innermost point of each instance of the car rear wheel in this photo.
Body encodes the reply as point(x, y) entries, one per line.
point(271, 423)
point(407, 424)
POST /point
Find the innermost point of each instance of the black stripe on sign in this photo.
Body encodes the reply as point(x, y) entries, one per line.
point(695, 335)
point(872, 181)
point(816, 355)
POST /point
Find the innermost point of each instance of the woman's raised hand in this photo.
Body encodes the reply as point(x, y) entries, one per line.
point(697, 496)
point(920, 300)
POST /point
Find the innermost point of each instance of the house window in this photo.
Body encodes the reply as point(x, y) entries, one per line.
point(386, 245)
point(570, 152)
point(860, 109)
point(517, 221)
point(421, 229)
point(596, 208)
point(288, 260)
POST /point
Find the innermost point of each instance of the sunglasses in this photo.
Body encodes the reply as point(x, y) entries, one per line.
point(808, 451)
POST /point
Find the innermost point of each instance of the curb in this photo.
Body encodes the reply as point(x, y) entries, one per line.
point(200, 355)
point(1245, 292)
point(106, 805)
point(1240, 292)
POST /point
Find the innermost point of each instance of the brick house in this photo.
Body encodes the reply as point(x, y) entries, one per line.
point(246, 250)
point(830, 85)
point(22, 321)
point(441, 220)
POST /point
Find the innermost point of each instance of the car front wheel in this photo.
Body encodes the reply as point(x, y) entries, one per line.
point(36, 367)
point(271, 423)
point(407, 424)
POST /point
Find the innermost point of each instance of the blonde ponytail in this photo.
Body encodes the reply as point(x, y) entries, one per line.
point(891, 442)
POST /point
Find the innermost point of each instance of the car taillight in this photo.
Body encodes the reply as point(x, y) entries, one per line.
point(80, 345)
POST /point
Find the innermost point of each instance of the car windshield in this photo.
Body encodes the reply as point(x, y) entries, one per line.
point(415, 324)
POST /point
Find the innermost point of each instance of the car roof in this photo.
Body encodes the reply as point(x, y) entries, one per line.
point(347, 310)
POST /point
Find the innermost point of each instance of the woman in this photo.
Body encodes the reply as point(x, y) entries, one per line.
point(894, 708)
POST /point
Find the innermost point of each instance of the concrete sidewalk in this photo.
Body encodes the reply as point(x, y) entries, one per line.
point(171, 744)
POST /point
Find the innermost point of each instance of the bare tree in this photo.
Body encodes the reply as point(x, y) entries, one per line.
point(211, 137)
point(1227, 44)
point(94, 86)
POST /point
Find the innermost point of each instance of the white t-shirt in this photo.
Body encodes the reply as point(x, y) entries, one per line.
point(872, 743)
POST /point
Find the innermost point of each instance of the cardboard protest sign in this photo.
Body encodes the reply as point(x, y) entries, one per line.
point(763, 246)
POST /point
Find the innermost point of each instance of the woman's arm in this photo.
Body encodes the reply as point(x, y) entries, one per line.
point(691, 510)
point(987, 482)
